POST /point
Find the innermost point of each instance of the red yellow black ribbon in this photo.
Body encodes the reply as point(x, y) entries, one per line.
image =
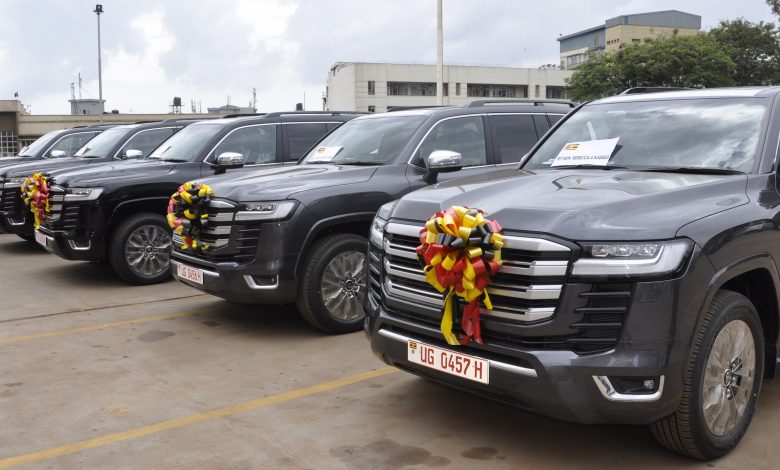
point(460, 252)
point(35, 194)
point(188, 213)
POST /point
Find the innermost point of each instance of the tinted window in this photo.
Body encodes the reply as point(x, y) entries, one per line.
point(712, 132)
point(554, 118)
point(147, 140)
point(301, 136)
point(256, 143)
point(542, 125)
point(71, 143)
point(465, 135)
point(514, 135)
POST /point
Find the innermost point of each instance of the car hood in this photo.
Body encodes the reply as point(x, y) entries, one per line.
point(47, 166)
point(584, 204)
point(283, 182)
point(101, 174)
point(9, 163)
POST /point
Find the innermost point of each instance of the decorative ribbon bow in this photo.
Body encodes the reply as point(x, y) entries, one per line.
point(35, 194)
point(188, 213)
point(460, 251)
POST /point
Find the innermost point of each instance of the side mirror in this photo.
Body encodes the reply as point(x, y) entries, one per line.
point(229, 161)
point(442, 161)
point(58, 154)
point(132, 153)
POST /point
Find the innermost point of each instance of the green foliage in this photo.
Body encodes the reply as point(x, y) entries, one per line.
point(754, 48)
point(676, 61)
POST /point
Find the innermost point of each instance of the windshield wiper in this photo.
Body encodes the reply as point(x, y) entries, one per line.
point(693, 170)
point(359, 163)
point(590, 167)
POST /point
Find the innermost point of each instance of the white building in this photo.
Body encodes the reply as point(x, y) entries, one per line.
point(375, 87)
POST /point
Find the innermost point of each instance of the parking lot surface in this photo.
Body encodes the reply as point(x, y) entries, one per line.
point(98, 374)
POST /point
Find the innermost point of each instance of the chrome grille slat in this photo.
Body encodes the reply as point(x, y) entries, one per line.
point(228, 240)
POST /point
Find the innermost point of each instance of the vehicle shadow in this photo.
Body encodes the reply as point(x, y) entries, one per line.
point(257, 321)
point(522, 439)
point(93, 274)
point(13, 245)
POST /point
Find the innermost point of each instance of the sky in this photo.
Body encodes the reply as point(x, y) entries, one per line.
point(209, 51)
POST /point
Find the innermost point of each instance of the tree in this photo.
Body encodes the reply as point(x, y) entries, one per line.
point(677, 61)
point(753, 47)
point(775, 4)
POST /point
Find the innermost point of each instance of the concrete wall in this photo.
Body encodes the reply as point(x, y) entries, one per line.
point(348, 83)
point(627, 34)
point(37, 125)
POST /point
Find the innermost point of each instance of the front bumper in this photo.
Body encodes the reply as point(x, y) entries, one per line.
point(244, 284)
point(90, 248)
point(560, 384)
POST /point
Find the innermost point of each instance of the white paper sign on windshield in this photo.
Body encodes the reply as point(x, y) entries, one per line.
point(326, 154)
point(589, 152)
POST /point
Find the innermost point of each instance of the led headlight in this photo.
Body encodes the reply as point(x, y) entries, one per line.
point(379, 222)
point(631, 258)
point(273, 210)
point(82, 194)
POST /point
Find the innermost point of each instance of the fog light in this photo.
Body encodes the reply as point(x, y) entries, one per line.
point(649, 384)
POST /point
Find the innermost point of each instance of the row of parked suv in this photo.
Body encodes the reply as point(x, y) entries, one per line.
point(639, 282)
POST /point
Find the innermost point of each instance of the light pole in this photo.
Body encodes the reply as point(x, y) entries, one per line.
point(98, 10)
point(439, 55)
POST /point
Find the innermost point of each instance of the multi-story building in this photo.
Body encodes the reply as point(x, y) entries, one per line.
point(626, 29)
point(375, 87)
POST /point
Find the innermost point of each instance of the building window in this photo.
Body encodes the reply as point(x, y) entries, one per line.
point(636, 41)
point(445, 89)
point(371, 87)
point(411, 89)
point(8, 144)
point(536, 91)
point(371, 108)
point(496, 91)
point(557, 92)
point(457, 89)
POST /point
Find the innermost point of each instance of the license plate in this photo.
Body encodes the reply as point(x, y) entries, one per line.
point(444, 360)
point(191, 274)
point(40, 238)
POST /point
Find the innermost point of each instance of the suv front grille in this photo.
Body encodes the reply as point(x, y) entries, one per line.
point(525, 293)
point(11, 202)
point(227, 239)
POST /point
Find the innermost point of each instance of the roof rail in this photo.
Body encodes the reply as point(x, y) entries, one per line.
point(391, 109)
point(523, 101)
point(316, 113)
point(651, 89)
point(231, 116)
point(182, 119)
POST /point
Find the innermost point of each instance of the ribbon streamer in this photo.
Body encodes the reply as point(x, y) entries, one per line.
point(460, 251)
point(35, 194)
point(188, 213)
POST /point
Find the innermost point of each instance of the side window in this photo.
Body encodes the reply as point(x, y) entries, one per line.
point(331, 125)
point(302, 136)
point(542, 125)
point(464, 135)
point(71, 143)
point(514, 135)
point(146, 141)
point(256, 143)
point(554, 118)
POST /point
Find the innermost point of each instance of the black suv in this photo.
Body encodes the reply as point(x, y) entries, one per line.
point(641, 288)
point(116, 211)
point(123, 142)
point(299, 233)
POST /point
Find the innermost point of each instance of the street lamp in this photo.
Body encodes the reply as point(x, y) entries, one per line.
point(98, 10)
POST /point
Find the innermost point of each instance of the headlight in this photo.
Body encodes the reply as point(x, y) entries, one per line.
point(82, 194)
point(14, 182)
point(275, 210)
point(631, 258)
point(379, 222)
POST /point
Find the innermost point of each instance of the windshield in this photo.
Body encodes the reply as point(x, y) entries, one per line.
point(39, 145)
point(715, 133)
point(376, 141)
point(102, 145)
point(187, 144)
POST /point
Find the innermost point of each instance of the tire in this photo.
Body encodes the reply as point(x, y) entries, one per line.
point(146, 239)
point(28, 237)
point(725, 328)
point(327, 300)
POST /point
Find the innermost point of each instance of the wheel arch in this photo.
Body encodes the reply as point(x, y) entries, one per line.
point(757, 279)
point(357, 223)
point(155, 205)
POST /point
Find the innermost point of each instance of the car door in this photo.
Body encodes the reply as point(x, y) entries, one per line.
point(466, 135)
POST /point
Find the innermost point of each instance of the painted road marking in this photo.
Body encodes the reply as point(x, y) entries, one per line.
point(66, 449)
point(97, 327)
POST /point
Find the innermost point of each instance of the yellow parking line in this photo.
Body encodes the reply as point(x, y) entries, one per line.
point(99, 326)
point(66, 449)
